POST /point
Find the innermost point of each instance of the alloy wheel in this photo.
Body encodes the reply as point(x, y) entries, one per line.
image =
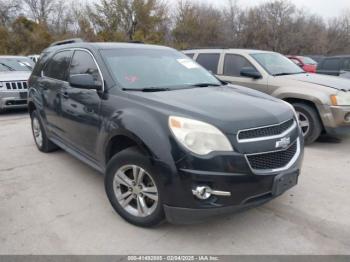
point(304, 123)
point(135, 190)
point(38, 135)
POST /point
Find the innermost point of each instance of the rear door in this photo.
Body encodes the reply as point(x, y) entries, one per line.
point(210, 61)
point(330, 66)
point(54, 78)
point(232, 66)
point(80, 107)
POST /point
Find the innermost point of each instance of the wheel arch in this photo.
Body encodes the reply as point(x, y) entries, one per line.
point(310, 103)
point(123, 140)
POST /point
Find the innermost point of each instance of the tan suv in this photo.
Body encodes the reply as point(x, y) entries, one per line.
point(321, 102)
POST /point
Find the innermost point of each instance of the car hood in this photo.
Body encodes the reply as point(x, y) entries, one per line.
point(231, 108)
point(14, 76)
point(323, 80)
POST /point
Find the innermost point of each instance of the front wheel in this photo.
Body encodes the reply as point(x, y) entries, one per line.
point(309, 122)
point(132, 187)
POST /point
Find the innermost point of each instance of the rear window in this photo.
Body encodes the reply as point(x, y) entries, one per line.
point(209, 61)
point(57, 67)
point(331, 64)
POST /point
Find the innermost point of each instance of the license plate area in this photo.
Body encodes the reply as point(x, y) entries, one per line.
point(23, 95)
point(283, 182)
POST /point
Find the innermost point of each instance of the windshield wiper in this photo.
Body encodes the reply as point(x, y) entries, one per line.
point(7, 66)
point(147, 89)
point(205, 84)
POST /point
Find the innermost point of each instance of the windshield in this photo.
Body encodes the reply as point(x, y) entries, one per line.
point(308, 61)
point(139, 68)
point(277, 64)
point(16, 64)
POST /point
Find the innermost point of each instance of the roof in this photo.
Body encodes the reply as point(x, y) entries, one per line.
point(239, 51)
point(106, 45)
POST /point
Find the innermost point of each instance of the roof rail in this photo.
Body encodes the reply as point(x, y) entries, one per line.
point(67, 41)
point(203, 47)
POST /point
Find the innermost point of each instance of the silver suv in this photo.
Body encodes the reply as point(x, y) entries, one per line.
point(322, 102)
point(14, 74)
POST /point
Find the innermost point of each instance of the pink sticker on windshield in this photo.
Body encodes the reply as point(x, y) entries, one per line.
point(131, 79)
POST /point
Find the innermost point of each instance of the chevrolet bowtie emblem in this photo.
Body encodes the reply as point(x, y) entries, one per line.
point(284, 142)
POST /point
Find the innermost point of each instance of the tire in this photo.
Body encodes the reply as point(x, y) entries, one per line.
point(308, 114)
point(144, 213)
point(43, 144)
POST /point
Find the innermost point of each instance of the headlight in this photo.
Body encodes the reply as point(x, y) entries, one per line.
point(198, 137)
point(341, 99)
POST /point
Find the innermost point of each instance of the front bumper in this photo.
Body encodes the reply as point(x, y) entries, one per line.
point(337, 121)
point(13, 99)
point(224, 172)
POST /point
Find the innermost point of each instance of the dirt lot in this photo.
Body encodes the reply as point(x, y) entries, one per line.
point(54, 204)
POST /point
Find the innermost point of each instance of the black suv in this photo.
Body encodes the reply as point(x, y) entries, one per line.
point(335, 65)
point(171, 139)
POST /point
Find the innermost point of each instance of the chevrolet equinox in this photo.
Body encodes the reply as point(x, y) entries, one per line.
point(172, 140)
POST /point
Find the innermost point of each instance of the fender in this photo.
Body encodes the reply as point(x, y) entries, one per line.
point(317, 98)
point(145, 129)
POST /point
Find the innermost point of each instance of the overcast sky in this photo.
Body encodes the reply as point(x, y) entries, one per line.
point(325, 8)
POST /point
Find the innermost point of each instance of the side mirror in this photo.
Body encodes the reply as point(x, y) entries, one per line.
point(250, 72)
point(85, 81)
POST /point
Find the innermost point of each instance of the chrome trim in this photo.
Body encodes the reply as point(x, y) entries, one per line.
point(204, 192)
point(269, 171)
point(256, 139)
point(17, 82)
point(79, 49)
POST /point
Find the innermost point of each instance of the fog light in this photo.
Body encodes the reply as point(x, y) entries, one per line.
point(347, 117)
point(204, 192)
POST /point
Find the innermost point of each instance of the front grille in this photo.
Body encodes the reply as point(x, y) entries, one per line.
point(16, 85)
point(265, 131)
point(272, 160)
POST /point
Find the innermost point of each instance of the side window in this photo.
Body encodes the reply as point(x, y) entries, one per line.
point(233, 65)
point(57, 67)
point(209, 61)
point(331, 64)
point(83, 63)
point(191, 55)
point(346, 64)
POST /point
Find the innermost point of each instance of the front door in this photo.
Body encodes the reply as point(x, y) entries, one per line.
point(80, 107)
point(233, 64)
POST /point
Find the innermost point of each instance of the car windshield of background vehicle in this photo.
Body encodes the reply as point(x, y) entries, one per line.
point(308, 61)
point(276, 64)
point(142, 68)
point(11, 64)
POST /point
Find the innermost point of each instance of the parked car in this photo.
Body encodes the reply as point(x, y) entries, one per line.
point(171, 139)
point(35, 58)
point(14, 74)
point(317, 58)
point(336, 66)
point(306, 63)
point(322, 102)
